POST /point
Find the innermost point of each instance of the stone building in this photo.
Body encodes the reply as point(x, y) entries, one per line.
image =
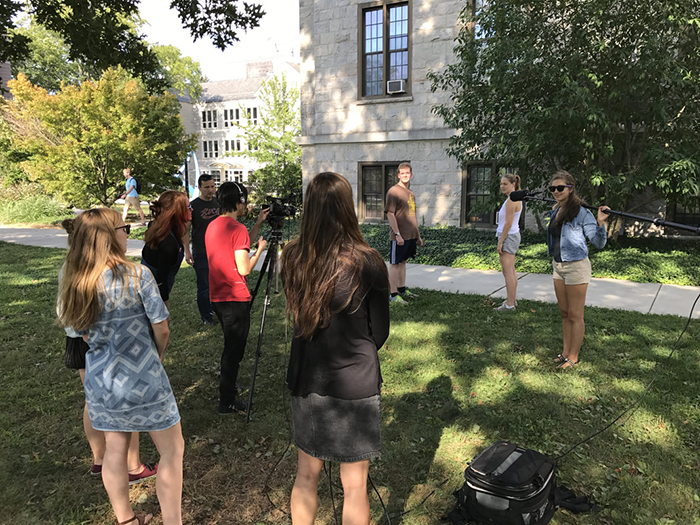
point(366, 103)
point(216, 118)
point(5, 75)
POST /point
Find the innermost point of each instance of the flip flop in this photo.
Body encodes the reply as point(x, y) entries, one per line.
point(566, 364)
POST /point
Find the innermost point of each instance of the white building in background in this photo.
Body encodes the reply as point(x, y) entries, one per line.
point(217, 117)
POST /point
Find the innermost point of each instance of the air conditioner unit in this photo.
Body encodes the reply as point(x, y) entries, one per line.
point(394, 87)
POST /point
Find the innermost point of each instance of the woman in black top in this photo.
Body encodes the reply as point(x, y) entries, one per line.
point(336, 287)
point(164, 248)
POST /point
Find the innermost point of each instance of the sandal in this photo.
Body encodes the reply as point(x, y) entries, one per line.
point(139, 518)
point(559, 359)
point(566, 364)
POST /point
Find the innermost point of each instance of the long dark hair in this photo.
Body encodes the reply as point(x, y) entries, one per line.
point(568, 211)
point(329, 245)
point(170, 214)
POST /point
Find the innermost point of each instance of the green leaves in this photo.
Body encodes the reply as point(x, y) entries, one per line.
point(607, 89)
point(81, 138)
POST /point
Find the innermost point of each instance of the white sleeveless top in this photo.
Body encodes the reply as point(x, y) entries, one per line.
point(501, 220)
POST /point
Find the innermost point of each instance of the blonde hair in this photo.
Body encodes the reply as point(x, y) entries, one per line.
point(513, 179)
point(94, 247)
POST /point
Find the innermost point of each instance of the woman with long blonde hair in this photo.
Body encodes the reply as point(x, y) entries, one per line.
point(336, 288)
point(116, 306)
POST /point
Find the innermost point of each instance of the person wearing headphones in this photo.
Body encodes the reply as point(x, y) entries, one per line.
point(227, 241)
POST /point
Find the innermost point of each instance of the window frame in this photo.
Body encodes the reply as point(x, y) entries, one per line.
point(466, 177)
point(361, 207)
point(385, 5)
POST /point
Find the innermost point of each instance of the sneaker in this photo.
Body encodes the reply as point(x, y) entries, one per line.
point(238, 405)
point(149, 471)
point(96, 470)
point(397, 299)
point(211, 321)
point(505, 308)
point(408, 294)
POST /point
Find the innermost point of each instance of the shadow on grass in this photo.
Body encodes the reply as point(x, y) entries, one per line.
point(456, 378)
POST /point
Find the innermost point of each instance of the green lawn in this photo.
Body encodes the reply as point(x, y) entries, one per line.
point(456, 378)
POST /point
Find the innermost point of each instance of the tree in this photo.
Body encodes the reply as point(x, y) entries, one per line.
point(102, 32)
point(607, 89)
point(272, 142)
point(77, 142)
point(49, 64)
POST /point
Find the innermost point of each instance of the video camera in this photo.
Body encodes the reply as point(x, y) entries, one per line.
point(280, 208)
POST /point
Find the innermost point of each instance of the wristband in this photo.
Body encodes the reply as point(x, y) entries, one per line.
point(398, 234)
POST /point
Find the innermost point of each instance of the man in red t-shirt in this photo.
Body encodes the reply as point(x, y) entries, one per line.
point(228, 245)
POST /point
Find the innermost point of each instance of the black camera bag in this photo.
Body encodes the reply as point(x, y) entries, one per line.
point(507, 485)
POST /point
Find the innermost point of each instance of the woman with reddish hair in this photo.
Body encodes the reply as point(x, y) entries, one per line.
point(165, 246)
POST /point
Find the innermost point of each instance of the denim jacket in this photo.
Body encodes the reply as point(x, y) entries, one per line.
point(574, 234)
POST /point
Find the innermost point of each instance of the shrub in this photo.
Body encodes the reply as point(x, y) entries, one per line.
point(32, 209)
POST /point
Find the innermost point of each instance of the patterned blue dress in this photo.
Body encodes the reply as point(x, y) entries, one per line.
point(126, 387)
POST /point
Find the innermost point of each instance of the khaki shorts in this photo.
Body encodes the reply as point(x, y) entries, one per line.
point(573, 272)
point(134, 202)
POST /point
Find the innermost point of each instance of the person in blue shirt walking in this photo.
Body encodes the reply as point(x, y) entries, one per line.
point(131, 196)
point(570, 224)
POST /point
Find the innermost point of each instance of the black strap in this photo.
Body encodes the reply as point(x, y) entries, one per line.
point(567, 499)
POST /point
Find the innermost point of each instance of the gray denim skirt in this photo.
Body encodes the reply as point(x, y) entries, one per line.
point(335, 429)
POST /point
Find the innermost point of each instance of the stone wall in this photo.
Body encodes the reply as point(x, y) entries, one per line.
point(341, 130)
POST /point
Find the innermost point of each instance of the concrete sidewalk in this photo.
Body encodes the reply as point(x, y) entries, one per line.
point(607, 293)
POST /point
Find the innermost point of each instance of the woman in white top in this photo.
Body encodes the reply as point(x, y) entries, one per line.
point(508, 234)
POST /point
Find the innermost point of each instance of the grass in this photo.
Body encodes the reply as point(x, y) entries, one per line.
point(456, 378)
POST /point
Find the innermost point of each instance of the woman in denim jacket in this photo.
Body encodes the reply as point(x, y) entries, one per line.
point(570, 225)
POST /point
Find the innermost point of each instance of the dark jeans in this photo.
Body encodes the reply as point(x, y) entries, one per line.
point(201, 269)
point(235, 322)
point(170, 278)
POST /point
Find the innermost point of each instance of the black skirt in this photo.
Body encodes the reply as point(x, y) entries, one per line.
point(335, 429)
point(76, 349)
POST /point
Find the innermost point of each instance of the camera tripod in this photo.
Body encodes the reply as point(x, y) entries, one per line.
point(269, 267)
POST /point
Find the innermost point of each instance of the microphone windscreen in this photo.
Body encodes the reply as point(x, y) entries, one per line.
point(519, 195)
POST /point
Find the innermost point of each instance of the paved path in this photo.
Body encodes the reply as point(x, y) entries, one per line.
point(608, 293)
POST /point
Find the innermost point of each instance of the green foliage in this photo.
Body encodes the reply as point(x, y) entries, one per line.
point(32, 209)
point(182, 73)
point(456, 378)
point(79, 140)
point(48, 63)
point(104, 33)
point(273, 141)
point(606, 89)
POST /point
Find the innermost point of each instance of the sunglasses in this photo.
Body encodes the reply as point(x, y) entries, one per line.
point(126, 228)
point(559, 188)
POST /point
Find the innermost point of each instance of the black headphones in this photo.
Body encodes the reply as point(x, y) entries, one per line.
point(241, 199)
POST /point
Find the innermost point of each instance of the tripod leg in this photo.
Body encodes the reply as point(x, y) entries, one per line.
point(272, 249)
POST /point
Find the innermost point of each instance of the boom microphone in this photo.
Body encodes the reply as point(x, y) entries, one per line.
point(520, 195)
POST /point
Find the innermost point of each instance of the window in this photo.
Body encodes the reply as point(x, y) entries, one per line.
point(228, 118)
point(238, 144)
point(209, 119)
point(210, 148)
point(478, 190)
point(234, 175)
point(252, 114)
point(216, 175)
point(238, 117)
point(477, 7)
point(384, 48)
point(375, 181)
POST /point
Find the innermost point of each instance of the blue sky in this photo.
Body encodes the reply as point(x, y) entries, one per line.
point(277, 35)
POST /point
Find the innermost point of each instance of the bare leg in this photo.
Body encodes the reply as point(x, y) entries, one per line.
point(402, 274)
point(126, 211)
point(511, 277)
point(305, 491)
point(576, 296)
point(356, 501)
point(394, 274)
point(143, 217)
point(560, 291)
point(171, 448)
point(115, 475)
